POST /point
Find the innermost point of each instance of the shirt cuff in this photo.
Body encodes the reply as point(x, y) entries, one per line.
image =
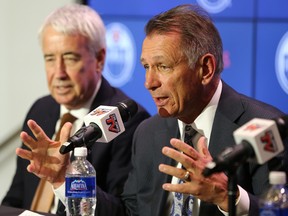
point(242, 204)
point(60, 193)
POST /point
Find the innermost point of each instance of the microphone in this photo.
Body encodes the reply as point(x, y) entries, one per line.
point(103, 124)
point(258, 141)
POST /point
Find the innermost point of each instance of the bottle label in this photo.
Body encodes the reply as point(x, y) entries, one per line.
point(270, 212)
point(284, 212)
point(79, 187)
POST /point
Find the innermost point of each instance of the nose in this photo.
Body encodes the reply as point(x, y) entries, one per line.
point(152, 80)
point(60, 68)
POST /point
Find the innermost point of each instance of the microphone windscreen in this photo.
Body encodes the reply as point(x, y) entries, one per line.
point(127, 109)
point(282, 125)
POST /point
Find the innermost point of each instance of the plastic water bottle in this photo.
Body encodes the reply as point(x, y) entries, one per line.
point(80, 185)
point(275, 201)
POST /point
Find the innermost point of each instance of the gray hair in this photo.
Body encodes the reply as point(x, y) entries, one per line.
point(74, 19)
point(198, 33)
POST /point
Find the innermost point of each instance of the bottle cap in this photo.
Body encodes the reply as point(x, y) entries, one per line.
point(277, 177)
point(80, 151)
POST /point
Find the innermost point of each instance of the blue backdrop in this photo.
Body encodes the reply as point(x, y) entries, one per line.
point(255, 39)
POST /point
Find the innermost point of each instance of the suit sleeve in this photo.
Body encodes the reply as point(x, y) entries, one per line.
point(24, 184)
point(109, 203)
point(120, 162)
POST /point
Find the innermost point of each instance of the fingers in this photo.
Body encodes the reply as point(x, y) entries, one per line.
point(24, 154)
point(37, 130)
point(179, 173)
point(185, 188)
point(28, 155)
point(65, 132)
point(45, 160)
point(38, 133)
point(27, 140)
point(192, 160)
point(191, 155)
point(180, 188)
point(202, 148)
point(174, 171)
point(187, 159)
point(185, 148)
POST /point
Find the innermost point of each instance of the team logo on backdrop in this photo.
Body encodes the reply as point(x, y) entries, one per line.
point(281, 62)
point(214, 6)
point(121, 54)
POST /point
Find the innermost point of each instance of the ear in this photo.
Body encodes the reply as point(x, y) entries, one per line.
point(100, 60)
point(208, 64)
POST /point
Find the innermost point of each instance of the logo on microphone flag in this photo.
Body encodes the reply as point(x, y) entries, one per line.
point(108, 119)
point(268, 141)
point(100, 111)
point(113, 122)
point(263, 136)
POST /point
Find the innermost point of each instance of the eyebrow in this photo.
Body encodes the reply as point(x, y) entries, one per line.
point(155, 58)
point(71, 53)
point(64, 54)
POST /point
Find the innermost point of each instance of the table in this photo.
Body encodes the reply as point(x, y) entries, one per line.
point(10, 211)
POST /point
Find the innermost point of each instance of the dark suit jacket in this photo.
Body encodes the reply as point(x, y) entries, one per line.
point(112, 161)
point(143, 194)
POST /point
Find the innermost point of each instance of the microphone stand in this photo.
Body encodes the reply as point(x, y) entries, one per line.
point(231, 187)
point(232, 190)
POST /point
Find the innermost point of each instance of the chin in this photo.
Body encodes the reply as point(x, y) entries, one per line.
point(164, 112)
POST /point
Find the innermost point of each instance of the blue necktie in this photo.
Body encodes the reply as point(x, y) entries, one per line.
point(183, 203)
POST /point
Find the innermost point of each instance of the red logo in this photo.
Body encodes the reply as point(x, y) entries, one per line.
point(252, 127)
point(113, 122)
point(269, 142)
point(99, 111)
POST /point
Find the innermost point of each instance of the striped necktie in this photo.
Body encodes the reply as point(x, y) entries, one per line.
point(189, 134)
point(183, 203)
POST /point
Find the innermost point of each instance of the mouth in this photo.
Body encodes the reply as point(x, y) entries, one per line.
point(62, 89)
point(160, 101)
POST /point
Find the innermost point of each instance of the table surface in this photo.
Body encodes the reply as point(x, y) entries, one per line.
point(10, 211)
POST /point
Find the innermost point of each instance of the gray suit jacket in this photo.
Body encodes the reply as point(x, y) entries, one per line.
point(143, 194)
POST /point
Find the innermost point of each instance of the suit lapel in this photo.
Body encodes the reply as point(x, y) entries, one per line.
point(163, 139)
point(51, 117)
point(228, 111)
point(104, 95)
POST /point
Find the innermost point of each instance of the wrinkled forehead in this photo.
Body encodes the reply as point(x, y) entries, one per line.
point(158, 46)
